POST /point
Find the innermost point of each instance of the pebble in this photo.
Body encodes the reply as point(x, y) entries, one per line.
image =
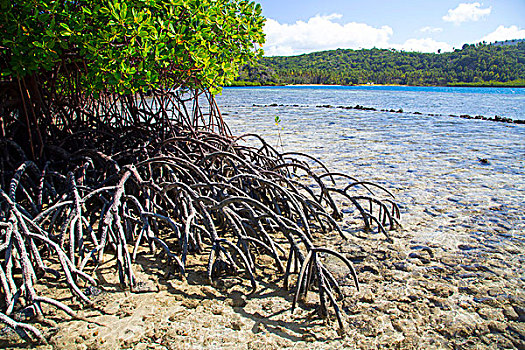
point(367, 297)
point(521, 312)
point(190, 303)
point(307, 337)
point(518, 329)
point(144, 287)
point(497, 327)
point(466, 247)
point(25, 314)
point(450, 328)
point(370, 268)
point(258, 327)
point(93, 291)
point(402, 266)
point(441, 290)
point(465, 305)
point(112, 308)
point(468, 290)
point(422, 257)
point(382, 255)
point(470, 275)
point(487, 301)
point(489, 313)
point(434, 269)
point(402, 325)
point(423, 248)
point(217, 310)
point(356, 257)
point(351, 308)
point(475, 267)
point(237, 299)
point(236, 325)
point(449, 261)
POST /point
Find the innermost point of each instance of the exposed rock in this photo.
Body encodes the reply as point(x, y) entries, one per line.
point(403, 325)
point(497, 327)
point(468, 290)
point(521, 312)
point(489, 313)
point(423, 258)
point(367, 297)
point(190, 303)
point(237, 299)
point(440, 289)
point(402, 266)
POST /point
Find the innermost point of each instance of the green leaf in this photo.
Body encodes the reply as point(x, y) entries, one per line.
point(65, 26)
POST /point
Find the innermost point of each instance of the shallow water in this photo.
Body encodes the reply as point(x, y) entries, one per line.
point(431, 162)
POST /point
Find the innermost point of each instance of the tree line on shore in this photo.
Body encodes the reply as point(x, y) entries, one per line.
point(473, 65)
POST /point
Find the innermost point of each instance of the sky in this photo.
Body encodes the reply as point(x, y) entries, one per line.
point(295, 27)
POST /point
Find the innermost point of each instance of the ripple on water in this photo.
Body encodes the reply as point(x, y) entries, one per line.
point(431, 163)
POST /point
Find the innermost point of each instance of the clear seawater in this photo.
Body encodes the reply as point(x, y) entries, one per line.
point(432, 161)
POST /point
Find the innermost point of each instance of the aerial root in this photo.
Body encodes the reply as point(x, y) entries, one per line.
point(314, 273)
point(195, 192)
point(24, 330)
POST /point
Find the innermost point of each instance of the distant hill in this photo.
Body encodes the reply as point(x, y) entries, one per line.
point(472, 65)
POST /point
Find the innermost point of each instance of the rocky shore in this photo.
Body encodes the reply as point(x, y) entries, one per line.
point(412, 296)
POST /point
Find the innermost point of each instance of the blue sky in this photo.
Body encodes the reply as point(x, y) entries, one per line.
point(300, 26)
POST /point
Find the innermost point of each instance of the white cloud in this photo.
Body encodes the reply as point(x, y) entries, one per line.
point(423, 45)
point(466, 12)
point(431, 30)
point(503, 33)
point(321, 33)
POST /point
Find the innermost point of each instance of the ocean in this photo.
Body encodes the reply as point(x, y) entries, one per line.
point(456, 179)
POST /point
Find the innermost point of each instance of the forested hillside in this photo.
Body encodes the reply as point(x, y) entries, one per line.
point(479, 64)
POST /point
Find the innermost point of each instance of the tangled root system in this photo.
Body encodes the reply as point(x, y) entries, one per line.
point(176, 189)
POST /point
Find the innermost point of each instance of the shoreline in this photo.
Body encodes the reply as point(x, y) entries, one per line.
point(411, 296)
point(460, 85)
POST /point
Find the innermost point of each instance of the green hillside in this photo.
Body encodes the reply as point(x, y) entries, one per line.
point(476, 65)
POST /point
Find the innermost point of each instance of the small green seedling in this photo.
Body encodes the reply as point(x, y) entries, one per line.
point(278, 123)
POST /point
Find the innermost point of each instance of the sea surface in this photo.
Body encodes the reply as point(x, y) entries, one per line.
point(457, 180)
